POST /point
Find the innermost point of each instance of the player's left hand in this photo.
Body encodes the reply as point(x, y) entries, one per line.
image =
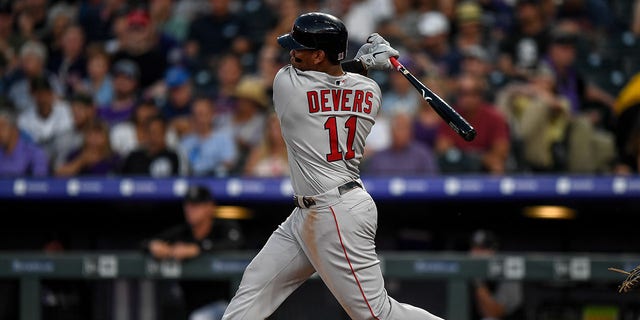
point(376, 52)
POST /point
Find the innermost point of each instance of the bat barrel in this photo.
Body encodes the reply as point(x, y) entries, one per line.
point(445, 111)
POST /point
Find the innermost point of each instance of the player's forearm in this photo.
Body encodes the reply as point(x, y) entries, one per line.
point(355, 66)
point(159, 249)
point(488, 306)
point(182, 251)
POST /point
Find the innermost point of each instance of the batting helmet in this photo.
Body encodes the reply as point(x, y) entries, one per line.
point(317, 31)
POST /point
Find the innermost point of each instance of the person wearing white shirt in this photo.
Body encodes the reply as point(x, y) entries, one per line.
point(51, 117)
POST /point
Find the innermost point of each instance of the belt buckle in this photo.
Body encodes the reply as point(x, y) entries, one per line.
point(306, 201)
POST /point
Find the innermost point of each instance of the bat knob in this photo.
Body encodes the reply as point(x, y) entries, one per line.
point(469, 135)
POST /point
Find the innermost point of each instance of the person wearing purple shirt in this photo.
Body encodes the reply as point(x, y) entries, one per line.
point(95, 157)
point(18, 155)
point(425, 126)
point(125, 84)
point(405, 156)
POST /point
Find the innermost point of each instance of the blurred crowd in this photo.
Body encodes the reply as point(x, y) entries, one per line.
point(183, 87)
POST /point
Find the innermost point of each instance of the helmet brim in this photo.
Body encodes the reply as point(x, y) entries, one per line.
point(288, 42)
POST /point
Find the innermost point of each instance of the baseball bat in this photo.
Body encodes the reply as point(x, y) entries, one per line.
point(459, 124)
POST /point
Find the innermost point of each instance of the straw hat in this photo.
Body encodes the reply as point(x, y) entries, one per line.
point(253, 89)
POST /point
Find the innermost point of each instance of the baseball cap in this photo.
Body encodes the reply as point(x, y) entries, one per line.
point(433, 23)
point(138, 17)
point(476, 52)
point(198, 194)
point(468, 11)
point(176, 76)
point(484, 239)
point(126, 67)
point(33, 47)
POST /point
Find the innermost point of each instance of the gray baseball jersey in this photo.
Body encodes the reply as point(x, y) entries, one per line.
point(325, 121)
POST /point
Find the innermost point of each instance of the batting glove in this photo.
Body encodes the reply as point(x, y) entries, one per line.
point(376, 52)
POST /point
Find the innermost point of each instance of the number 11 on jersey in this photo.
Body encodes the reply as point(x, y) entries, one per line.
point(332, 126)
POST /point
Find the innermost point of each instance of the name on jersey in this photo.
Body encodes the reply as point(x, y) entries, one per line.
point(340, 100)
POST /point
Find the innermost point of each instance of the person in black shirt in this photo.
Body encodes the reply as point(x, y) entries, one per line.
point(494, 300)
point(201, 233)
point(155, 158)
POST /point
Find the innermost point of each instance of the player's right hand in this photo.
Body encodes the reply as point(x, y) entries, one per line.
point(376, 52)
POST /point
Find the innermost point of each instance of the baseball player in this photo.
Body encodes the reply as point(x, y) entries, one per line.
point(325, 115)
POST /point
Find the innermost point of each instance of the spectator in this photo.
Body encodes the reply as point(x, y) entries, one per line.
point(69, 64)
point(125, 93)
point(262, 18)
point(99, 81)
point(470, 29)
point(97, 18)
point(405, 156)
point(216, 32)
point(493, 300)
point(401, 96)
point(401, 29)
point(270, 60)
point(177, 106)
point(10, 41)
point(118, 35)
point(33, 17)
point(167, 19)
point(522, 49)
point(427, 121)
point(269, 157)
point(435, 45)
point(248, 118)
point(489, 151)
point(94, 157)
point(60, 17)
point(33, 60)
point(131, 134)
point(287, 11)
point(380, 136)
point(19, 157)
point(362, 17)
point(594, 17)
point(84, 113)
point(154, 158)
point(209, 150)
point(546, 136)
point(476, 61)
point(51, 116)
point(201, 233)
point(499, 16)
point(146, 47)
point(584, 96)
point(228, 77)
